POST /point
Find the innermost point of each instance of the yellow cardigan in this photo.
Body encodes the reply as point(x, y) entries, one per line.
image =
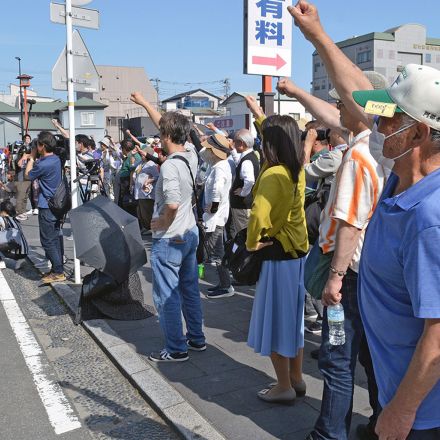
point(278, 210)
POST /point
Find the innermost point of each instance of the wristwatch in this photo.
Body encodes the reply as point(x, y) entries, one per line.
point(340, 273)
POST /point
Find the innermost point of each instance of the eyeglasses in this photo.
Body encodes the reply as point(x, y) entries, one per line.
point(339, 104)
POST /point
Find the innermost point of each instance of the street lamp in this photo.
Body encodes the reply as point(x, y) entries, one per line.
point(21, 96)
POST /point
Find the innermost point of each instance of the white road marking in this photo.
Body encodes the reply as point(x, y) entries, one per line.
point(59, 411)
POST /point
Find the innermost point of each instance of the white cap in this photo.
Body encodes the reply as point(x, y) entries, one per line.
point(416, 92)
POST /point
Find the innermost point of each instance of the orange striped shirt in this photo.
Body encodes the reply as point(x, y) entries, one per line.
point(353, 196)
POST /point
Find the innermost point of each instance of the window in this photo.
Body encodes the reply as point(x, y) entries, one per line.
point(112, 121)
point(316, 87)
point(316, 67)
point(88, 118)
point(427, 58)
point(295, 116)
point(364, 57)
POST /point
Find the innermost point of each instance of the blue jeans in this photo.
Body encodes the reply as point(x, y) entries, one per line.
point(51, 238)
point(176, 289)
point(337, 364)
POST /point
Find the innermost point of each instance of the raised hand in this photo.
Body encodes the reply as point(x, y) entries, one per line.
point(306, 17)
point(286, 87)
point(253, 106)
point(138, 99)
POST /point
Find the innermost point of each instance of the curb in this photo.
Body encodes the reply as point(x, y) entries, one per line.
point(162, 396)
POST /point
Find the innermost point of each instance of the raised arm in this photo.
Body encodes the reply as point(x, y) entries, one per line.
point(321, 110)
point(133, 138)
point(138, 99)
point(65, 133)
point(344, 74)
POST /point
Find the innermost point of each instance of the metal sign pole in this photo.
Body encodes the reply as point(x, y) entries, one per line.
point(71, 106)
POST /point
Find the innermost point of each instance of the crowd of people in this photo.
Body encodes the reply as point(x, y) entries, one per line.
point(343, 213)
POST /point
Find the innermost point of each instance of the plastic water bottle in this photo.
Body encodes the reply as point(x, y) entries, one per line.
point(335, 317)
point(201, 269)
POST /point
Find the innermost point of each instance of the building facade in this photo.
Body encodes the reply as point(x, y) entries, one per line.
point(237, 115)
point(385, 52)
point(116, 85)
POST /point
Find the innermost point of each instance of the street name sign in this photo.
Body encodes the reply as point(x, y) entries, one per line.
point(267, 37)
point(86, 77)
point(81, 17)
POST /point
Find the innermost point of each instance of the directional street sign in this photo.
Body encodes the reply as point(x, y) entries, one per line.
point(86, 77)
point(81, 17)
point(268, 37)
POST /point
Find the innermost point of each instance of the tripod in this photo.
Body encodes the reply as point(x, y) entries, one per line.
point(88, 191)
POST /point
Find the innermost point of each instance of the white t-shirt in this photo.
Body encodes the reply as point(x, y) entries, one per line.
point(217, 186)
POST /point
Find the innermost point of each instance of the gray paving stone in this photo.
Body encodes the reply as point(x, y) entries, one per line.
point(157, 389)
point(128, 359)
point(103, 332)
point(220, 383)
point(191, 424)
point(214, 364)
point(181, 372)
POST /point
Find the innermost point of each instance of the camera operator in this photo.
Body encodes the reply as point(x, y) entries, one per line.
point(22, 155)
point(47, 169)
point(83, 155)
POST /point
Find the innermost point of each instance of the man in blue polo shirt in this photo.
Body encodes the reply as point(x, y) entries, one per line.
point(47, 169)
point(399, 276)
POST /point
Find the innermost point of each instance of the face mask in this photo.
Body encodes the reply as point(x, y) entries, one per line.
point(207, 156)
point(377, 140)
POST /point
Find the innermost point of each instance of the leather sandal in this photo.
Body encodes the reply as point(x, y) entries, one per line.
point(299, 387)
point(286, 397)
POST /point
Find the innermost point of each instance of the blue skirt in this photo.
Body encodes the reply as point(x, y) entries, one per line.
point(277, 321)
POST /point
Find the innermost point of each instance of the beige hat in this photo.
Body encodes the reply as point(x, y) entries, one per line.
point(377, 80)
point(105, 141)
point(219, 145)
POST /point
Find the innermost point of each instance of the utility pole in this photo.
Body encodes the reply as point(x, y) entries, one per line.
point(156, 86)
point(20, 98)
point(227, 86)
point(71, 107)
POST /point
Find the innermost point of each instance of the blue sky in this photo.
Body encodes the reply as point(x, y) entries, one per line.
point(183, 40)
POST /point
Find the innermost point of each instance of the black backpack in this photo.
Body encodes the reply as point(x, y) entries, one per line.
point(61, 202)
point(314, 204)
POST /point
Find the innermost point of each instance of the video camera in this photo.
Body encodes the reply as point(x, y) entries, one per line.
point(323, 135)
point(92, 166)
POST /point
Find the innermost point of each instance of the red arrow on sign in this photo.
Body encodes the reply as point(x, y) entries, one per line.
point(278, 62)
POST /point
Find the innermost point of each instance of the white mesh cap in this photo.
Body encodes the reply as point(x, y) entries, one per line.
point(377, 80)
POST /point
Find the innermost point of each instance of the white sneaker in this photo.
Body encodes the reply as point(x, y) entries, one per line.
point(21, 217)
point(28, 212)
point(35, 211)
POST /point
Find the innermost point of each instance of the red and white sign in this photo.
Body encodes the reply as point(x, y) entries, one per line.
point(268, 38)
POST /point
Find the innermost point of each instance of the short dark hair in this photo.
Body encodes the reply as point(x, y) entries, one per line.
point(27, 135)
point(128, 145)
point(175, 126)
point(82, 139)
point(8, 207)
point(90, 143)
point(47, 139)
point(282, 143)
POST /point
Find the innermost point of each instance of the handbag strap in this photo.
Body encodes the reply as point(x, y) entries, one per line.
point(185, 160)
point(198, 206)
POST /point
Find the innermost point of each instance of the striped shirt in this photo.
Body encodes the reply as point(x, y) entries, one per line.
point(353, 195)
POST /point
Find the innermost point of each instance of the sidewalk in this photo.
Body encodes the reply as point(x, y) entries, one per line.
point(221, 383)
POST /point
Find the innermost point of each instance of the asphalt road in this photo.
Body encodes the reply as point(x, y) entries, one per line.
point(46, 358)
